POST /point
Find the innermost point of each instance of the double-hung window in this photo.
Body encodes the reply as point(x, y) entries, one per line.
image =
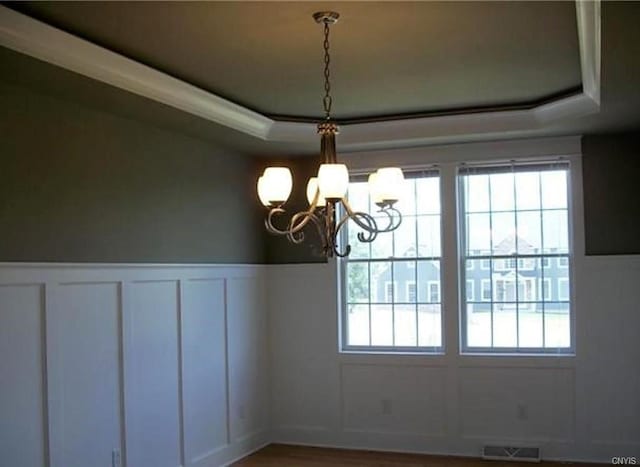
point(391, 287)
point(515, 221)
point(512, 269)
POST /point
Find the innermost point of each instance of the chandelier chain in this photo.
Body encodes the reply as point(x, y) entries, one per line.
point(327, 100)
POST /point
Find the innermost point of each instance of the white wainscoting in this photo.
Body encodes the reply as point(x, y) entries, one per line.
point(165, 365)
point(585, 407)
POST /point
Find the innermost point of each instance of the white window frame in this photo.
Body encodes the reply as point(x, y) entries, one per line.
point(452, 268)
point(499, 266)
point(420, 303)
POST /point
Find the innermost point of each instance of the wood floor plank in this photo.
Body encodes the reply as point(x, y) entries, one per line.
point(281, 455)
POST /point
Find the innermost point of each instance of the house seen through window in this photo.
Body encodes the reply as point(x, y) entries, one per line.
point(392, 286)
point(516, 225)
point(514, 265)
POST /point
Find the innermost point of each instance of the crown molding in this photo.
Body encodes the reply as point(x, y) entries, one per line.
point(37, 39)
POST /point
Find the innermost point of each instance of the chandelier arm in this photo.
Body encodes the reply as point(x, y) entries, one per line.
point(294, 232)
point(268, 222)
point(365, 221)
point(394, 219)
point(341, 254)
point(369, 224)
point(292, 229)
point(334, 240)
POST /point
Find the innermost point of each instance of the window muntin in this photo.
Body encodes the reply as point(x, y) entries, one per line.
point(515, 220)
point(392, 291)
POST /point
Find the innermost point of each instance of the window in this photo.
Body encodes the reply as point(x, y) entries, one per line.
point(514, 267)
point(526, 264)
point(514, 220)
point(545, 290)
point(408, 260)
point(433, 293)
point(486, 290)
point(563, 289)
point(470, 291)
point(389, 291)
point(411, 292)
point(505, 290)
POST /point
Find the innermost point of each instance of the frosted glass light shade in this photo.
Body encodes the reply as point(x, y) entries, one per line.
point(312, 188)
point(390, 181)
point(333, 180)
point(278, 183)
point(374, 188)
point(262, 191)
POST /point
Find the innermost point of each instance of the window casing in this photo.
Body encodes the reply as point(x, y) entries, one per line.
point(520, 284)
point(515, 220)
point(391, 288)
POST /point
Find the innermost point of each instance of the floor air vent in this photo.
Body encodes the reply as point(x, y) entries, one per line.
point(524, 454)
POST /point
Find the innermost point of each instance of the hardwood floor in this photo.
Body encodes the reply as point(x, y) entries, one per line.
point(280, 455)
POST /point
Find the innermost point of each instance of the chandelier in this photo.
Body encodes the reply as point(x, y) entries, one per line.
point(327, 192)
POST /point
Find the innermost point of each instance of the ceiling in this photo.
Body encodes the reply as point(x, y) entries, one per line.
point(413, 57)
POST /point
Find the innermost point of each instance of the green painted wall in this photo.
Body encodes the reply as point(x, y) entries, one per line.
point(610, 168)
point(80, 185)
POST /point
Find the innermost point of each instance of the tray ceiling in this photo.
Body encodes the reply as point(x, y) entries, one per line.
point(388, 59)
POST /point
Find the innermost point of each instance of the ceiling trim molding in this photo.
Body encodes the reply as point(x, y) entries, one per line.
point(37, 39)
point(522, 149)
point(437, 113)
point(589, 37)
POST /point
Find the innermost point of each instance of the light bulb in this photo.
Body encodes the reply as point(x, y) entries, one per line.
point(312, 188)
point(333, 180)
point(278, 183)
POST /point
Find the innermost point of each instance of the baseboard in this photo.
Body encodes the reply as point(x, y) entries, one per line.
point(248, 453)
